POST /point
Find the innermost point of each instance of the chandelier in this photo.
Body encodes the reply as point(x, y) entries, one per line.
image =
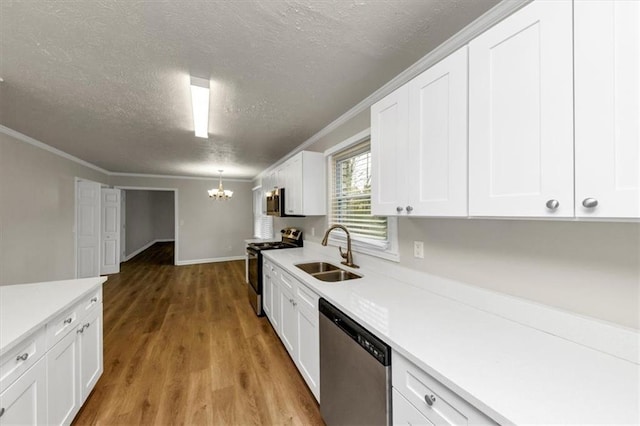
point(220, 193)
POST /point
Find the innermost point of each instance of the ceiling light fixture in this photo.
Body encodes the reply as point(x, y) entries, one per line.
point(200, 106)
point(220, 193)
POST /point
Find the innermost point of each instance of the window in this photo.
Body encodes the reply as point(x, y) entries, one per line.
point(350, 200)
point(262, 224)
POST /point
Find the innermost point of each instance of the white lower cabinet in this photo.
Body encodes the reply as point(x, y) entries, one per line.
point(62, 380)
point(294, 317)
point(74, 365)
point(436, 403)
point(24, 402)
point(50, 373)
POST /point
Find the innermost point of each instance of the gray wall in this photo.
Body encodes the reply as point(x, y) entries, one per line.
point(163, 215)
point(207, 229)
point(37, 191)
point(590, 268)
point(149, 217)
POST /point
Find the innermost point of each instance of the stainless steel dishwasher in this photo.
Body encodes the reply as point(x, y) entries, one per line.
point(355, 372)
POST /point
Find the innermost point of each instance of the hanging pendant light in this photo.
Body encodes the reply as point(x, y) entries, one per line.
point(220, 193)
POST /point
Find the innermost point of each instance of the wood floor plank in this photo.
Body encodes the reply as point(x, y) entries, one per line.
point(182, 346)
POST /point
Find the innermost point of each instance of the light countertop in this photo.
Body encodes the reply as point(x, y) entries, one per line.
point(512, 372)
point(26, 307)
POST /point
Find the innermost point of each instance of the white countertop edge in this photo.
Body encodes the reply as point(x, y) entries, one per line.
point(613, 339)
point(92, 283)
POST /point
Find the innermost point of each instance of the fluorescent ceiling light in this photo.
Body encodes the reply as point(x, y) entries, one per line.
point(200, 106)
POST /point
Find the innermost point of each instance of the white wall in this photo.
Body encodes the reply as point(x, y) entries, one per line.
point(37, 199)
point(209, 230)
point(588, 268)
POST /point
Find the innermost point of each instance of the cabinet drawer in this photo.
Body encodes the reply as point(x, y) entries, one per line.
point(307, 301)
point(23, 356)
point(90, 301)
point(406, 414)
point(286, 280)
point(62, 324)
point(446, 407)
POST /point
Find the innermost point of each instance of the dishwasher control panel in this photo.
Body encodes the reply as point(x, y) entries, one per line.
point(376, 352)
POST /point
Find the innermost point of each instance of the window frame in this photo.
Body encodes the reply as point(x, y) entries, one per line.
point(359, 244)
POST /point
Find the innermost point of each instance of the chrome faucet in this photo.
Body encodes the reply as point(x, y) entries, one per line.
point(348, 255)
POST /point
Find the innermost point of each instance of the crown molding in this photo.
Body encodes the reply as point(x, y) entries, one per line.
point(31, 141)
point(455, 42)
point(211, 178)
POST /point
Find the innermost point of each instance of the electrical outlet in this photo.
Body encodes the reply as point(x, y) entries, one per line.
point(313, 232)
point(418, 249)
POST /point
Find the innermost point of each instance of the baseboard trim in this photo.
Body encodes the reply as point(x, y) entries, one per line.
point(210, 260)
point(146, 246)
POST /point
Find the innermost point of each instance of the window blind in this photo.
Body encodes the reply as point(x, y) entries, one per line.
point(351, 196)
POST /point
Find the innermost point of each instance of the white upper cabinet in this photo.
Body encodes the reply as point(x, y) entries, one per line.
point(305, 184)
point(389, 130)
point(437, 148)
point(419, 144)
point(607, 112)
point(521, 114)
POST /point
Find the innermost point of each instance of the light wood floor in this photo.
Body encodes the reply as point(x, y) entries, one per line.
point(182, 346)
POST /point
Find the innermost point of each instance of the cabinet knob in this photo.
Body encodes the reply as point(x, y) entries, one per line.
point(22, 357)
point(399, 209)
point(86, 325)
point(429, 399)
point(68, 320)
point(80, 330)
point(94, 299)
point(1, 411)
point(590, 203)
point(553, 204)
point(409, 209)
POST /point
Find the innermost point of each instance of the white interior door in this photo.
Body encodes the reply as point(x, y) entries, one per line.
point(123, 224)
point(110, 231)
point(87, 229)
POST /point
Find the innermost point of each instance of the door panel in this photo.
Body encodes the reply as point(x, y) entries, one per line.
point(110, 235)
point(87, 229)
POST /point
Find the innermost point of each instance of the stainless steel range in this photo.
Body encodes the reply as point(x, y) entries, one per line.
point(291, 238)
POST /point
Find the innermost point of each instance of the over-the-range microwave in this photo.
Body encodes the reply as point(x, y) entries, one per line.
point(276, 203)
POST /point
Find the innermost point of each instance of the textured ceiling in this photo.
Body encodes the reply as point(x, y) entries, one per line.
point(108, 81)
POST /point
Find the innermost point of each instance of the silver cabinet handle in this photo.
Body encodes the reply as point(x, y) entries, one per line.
point(295, 303)
point(429, 399)
point(68, 320)
point(94, 299)
point(80, 330)
point(1, 411)
point(86, 325)
point(409, 209)
point(553, 204)
point(22, 357)
point(399, 209)
point(590, 203)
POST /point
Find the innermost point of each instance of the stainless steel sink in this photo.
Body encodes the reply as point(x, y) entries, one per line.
point(327, 272)
point(335, 276)
point(315, 267)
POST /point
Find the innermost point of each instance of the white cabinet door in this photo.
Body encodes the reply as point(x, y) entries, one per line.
point(25, 401)
point(90, 365)
point(267, 290)
point(437, 143)
point(288, 326)
point(276, 311)
point(62, 380)
point(521, 114)
point(308, 355)
point(389, 130)
point(293, 195)
point(607, 108)
point(405, 414)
